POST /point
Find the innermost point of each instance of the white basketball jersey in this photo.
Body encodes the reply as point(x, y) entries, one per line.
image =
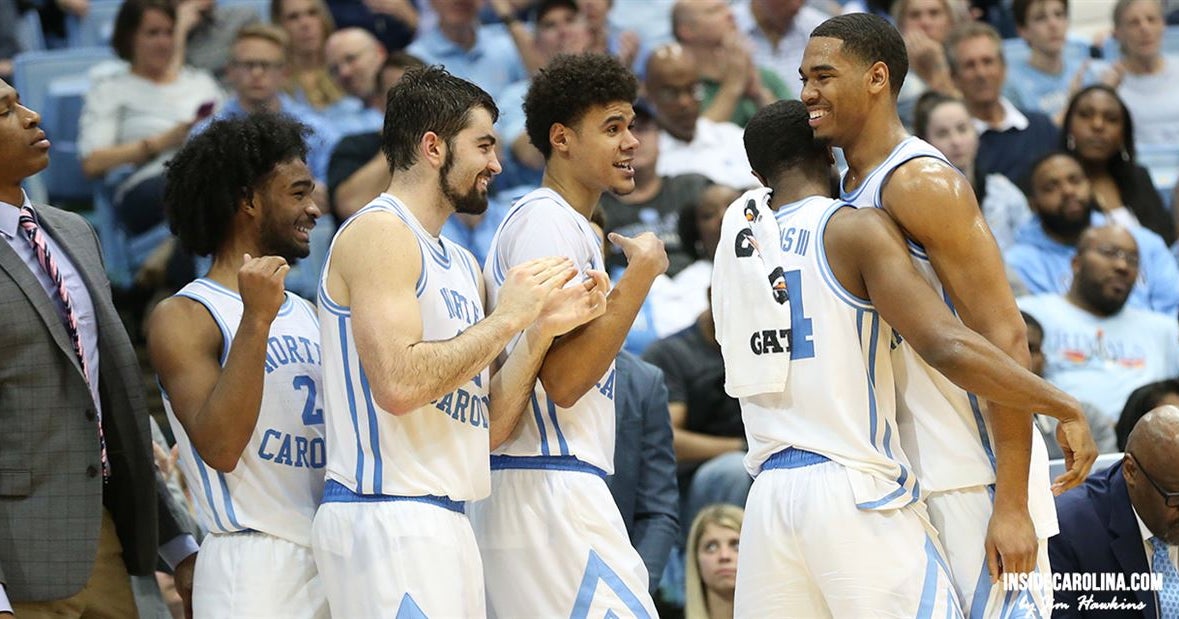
point(440, 449)
point(945, 431)
point(278, 482)
point(839, 399)
point(543, 224)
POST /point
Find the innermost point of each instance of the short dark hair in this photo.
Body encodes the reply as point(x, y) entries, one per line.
point(1140, 402)
point(1120, 9)
point(544, 6)
point(230, 159)
point(778, 138)
point(1032, 323)
point(127, 21)
point(428, 99)
point(1026, 182)
point(870, 39)
point(568, 87)
point(1021, 8)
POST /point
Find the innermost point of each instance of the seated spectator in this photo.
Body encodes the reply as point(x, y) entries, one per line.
point(779, 31)
point(655, 203)
point(1062, 200)
point(707, 431)
point(483, 54)
point(711, 565)
point(1141, 401)
point(1103, 434)
point(644, 482)
point(944, 122)
point(257, 71)
point(1099, 130)
point(205, 31)
point(308, 24)
point(358, 171)
point(691, 143)
point(1095, 348)
point(1009, 140)
point(925, 25)
point(392, 22)
point(136, 118)
point(354, 60)
point(559, 29)
point(1045, 81)
point(1123, 521)
point(734, 87)
point(1144, 77)
point(604, 38)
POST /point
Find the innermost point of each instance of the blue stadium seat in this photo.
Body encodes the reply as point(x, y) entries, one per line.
point(54, 83)
point(96, 28)
point(261, 7)
point(28, 32)
point(122, 254)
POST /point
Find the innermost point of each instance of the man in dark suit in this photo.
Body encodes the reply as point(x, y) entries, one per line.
point(1124, 521)
point(79, 508)
point(644, 481)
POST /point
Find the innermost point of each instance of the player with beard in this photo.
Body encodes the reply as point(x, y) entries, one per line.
point(411, 408)
point(550, 522)
point(238, 362)
point(1062, 198)
point(992, 508)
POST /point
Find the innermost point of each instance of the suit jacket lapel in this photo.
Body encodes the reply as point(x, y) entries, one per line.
point(1127, 538)
point(46, 308)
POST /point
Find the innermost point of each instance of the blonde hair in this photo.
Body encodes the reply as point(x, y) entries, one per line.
point(317, 86)
point(720, 514)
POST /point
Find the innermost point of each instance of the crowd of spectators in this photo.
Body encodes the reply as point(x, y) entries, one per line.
point(1056, 133)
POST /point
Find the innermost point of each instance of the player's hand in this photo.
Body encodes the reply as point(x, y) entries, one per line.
point(628, 47)
point(1011, 542)
point(182, 576)
point(1080, 452)
point(528, 286)
point(572, 306)
point(644, 252)
point(260, 281)
point(1112, 76)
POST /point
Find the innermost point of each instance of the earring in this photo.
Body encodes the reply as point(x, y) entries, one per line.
point(1070, 142)
point(1125, 154)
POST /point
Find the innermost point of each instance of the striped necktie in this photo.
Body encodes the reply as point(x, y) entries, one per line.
point(36, 238)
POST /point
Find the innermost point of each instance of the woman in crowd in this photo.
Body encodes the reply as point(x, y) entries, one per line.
point(711, 570)
point(1144, 77)
point(925, 24)
point(308, 23)
point(1143, 400)
point(1099, 130)
point(137, 117)
point(944, 122)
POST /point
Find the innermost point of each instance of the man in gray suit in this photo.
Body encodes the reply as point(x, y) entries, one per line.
point(79, 507)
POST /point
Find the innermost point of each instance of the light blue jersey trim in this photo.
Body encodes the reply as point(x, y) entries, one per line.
point(201, 467)
point(545, 463)
point(335, 492)
point(557, 426)
point(343, 327)
point(539, 417)
point(828, 275)
point(226, 337)
point(374, 434)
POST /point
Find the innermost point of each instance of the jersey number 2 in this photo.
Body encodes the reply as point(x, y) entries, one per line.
point(311, 415)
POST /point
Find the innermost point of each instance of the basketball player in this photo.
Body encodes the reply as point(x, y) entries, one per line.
point(830, 472)
point(411, 407)
point(989, 509)
point(551, 537)
point(238, 361)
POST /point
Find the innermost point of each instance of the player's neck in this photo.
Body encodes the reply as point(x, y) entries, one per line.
point(795, 185)
point(872, 146)
point(423, 199)
point(583, 199)
point(229, 260)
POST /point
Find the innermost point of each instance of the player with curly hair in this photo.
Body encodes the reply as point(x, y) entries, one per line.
point(550, 523)
point(238, 361)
